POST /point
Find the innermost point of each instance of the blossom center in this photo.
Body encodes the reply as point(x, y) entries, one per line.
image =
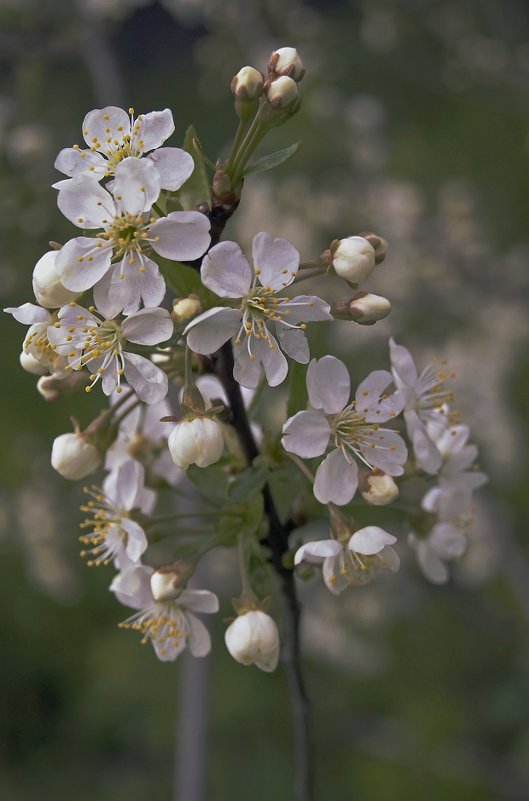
point(166, 624)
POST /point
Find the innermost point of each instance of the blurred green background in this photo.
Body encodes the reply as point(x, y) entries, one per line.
point(414, 124)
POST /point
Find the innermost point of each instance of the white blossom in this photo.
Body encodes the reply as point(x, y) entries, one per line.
point(423, 398)
point(261, 321)
point(170, 625)
point(445, 541)
point(89, 340)
point(47, 286)
point(74, 457)
point(116, 261)
point(253, 638)
point(36, 344)
point(198, 441)
point(112, 135)
point(353, 426)
point(115, 535)
point(356, 561)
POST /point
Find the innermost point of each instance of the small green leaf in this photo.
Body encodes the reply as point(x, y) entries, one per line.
point(196, 189)
point(272, 160)
point(297, 391)
point(182, 279)
point(284, 487)
point(211, 482)
point(252, 480)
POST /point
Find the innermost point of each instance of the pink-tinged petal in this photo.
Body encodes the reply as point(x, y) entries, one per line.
point(136, 185)
point(369, 391)
point(133, 588)
point(136, 540)
point(317, 551)
point(181, 236)
point(226, 271)
point(428, 457)
point(124, 286)
point(85, 203)
point(174, 165)
point(276, 259)
point(328, 384)
point(402, 365)
point(152, 129)
point(112, 294)
point(306, 434)
point(336, 480)
point(73, 161)
point(104, 124)
point(274, 363)
point(148, 381)
point(304, 309)
point(29, 313)
point(246, 371)
point(122, 486)
point(389, 452)
point(211, 329)
point(200, 641)
point(431, 565)
point(370, 540)
point(82, 262)
point(294, 342)
point(199, 601)
point(148, 326)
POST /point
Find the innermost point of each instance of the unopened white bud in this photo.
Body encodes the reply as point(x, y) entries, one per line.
point(184, 309)
point(286, 61)
point(379, 488)
point(353, 258)
point(283, 93)
point(247, 84)
point(253, 638)
point(199, 441)
point(32, 365)
point(366, 308)
point(74, 457)
point(47, 286)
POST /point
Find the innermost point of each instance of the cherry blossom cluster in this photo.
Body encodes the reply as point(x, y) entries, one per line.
point(183, 334)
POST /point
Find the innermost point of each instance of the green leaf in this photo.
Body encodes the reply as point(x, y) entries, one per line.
point(297, 391)
point(272, 160)
point(196, 189)
point(211, 482)
point(181, 279)
point(252, 480)
point(285, 488)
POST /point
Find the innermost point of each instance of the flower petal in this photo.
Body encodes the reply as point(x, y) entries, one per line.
point(73, 161)
point(182, 235)
point(304, 309)
point(370, 540)
point(136, 185)
point(328, 384)
point(148, 326)
point(199, 601)
point(82, 262)
point(211, 329)
point(85, 203)
point(149, 382)
point(402, 365)
point(276, 259)
point(294, 342)
point(152, 129)
point(226, 271)
point(136, 540)
point(29, 313)
point(199, 641)
point(174, 165)
point(306, 434)
point(317, 551)
point(103, 124)
point(336, 479)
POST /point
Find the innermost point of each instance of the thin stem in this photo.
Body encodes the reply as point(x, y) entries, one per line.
point(247, 591)
point(236, 142)
point(303, 467)
point(310, 272)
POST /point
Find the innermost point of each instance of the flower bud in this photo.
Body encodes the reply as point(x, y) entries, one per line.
point(247, 84)
point(52, 388)
point(378, 488)
point(32, 365)
point(286, 61)
point(364, 308)
point(253, 638)
point(73, 456)
point(184, 309)
point(47, 286)
point(168, 582)
point(353, 258)
point(379, 244)
point(199, 441)
point(283, 93)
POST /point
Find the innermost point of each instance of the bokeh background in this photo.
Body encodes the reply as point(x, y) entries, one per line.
point(415, 124)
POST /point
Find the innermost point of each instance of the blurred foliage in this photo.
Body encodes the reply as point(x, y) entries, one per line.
point(414, 124)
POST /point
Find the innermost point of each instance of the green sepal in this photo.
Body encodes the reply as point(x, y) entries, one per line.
point(272, 160)
point(196, 189)
point(184, 281)
point(297, 390)
point(252, 480)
